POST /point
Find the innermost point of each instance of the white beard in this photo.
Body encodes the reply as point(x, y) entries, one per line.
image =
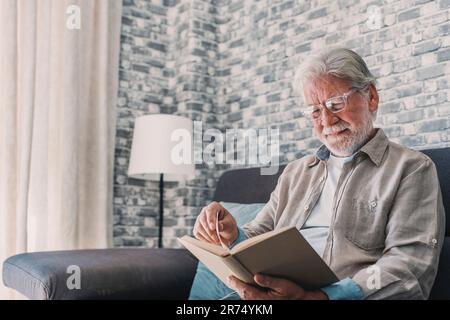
point(348, 143)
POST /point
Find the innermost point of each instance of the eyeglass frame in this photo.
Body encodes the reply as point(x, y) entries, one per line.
point(328, 104)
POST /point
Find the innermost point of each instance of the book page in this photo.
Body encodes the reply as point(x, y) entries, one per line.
point(213, 248)
point(251, 241)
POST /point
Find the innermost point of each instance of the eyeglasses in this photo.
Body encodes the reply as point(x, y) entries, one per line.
point(333, 104)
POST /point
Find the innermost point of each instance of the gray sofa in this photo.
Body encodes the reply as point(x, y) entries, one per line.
point(167, 273)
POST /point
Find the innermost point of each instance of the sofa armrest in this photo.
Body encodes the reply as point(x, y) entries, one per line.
point(104, 274)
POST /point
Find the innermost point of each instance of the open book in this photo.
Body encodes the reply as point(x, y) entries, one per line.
point(280, 253)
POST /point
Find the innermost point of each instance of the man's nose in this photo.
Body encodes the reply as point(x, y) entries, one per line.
point(328, 118)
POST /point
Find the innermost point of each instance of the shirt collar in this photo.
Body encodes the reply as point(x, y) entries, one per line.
point(374, 148)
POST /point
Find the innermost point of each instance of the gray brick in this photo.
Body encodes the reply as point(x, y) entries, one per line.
point(430, 72)
point(318, 33)
point(155, 63)
point(394, 131)
point(269, 78)
point(301, 28)
point(430, 99)
point(417, 140)
point(409, 90)
point(410, 116)
point(444, 4)
point(148, 232)
point(444, 29)
point(235, 116)
point(237, 43)
point(223, 72)
point(152, 99)
point(170, 3)
point(127, 21)
point(259, 16)
point(246, 103)
point(317, 13)
point(236, 6)
point(277, 38)
point(140, 13)
point(136, 182)
point(141, 68)
point(157, 9)
point(153, 212)
point(132, 221)
point(333, 38)
point(286, 5)
point(119, 231)
point(273, 97)
point(389, 107)
point(443, 55)
point(433, 125)
point(409, 14)
point(157, 46)
point(209, 27)
point(132, 241)
point(427, 46)
point(303, 47)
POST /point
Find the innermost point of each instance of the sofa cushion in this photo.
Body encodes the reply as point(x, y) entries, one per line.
point(104, 274)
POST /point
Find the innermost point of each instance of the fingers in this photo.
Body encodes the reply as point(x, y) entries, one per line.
point(199, 231)
point(270, 282)
point(211, 218)
point(199, 236)
point(205, 228)
point(280, 288)
point(246, 291)
point(210, 234)
point(235, 283)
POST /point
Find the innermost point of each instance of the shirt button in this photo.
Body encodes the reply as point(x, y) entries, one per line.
point(373, 204)
point(307, 207)
point(434, 241)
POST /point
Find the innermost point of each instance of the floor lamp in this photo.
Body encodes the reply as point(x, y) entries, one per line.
point(162, 150)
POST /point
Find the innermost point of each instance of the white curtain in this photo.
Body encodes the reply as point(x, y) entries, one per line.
point(58, 88)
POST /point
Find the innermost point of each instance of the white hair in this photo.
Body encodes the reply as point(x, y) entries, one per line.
point(341, 63)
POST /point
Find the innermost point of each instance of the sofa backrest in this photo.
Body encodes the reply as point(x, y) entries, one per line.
point(249, 186)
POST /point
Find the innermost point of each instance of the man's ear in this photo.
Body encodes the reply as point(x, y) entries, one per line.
point(373, 98)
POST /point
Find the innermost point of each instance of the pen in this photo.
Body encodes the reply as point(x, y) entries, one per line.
point(218, 233)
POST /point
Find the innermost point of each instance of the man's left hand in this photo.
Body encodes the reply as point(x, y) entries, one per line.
point(273, 289)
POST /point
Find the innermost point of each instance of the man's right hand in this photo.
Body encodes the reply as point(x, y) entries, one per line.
point(205, 226)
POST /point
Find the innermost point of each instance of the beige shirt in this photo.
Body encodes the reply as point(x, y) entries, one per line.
point(388, 222)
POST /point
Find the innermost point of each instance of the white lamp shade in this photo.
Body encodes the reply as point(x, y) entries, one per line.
point(160, 141)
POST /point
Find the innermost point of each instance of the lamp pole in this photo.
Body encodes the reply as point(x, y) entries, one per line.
point(161, 209)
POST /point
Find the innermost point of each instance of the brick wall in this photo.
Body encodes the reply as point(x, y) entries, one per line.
point(230, 64)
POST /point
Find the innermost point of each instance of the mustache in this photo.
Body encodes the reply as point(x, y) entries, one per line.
point(337, 127)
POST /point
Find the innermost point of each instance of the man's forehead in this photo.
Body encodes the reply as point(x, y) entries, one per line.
point(320, 89)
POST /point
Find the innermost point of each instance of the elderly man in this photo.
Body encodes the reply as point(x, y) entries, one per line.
point(370, 207)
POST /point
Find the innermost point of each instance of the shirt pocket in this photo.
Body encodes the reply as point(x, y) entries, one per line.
point(365, 223)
